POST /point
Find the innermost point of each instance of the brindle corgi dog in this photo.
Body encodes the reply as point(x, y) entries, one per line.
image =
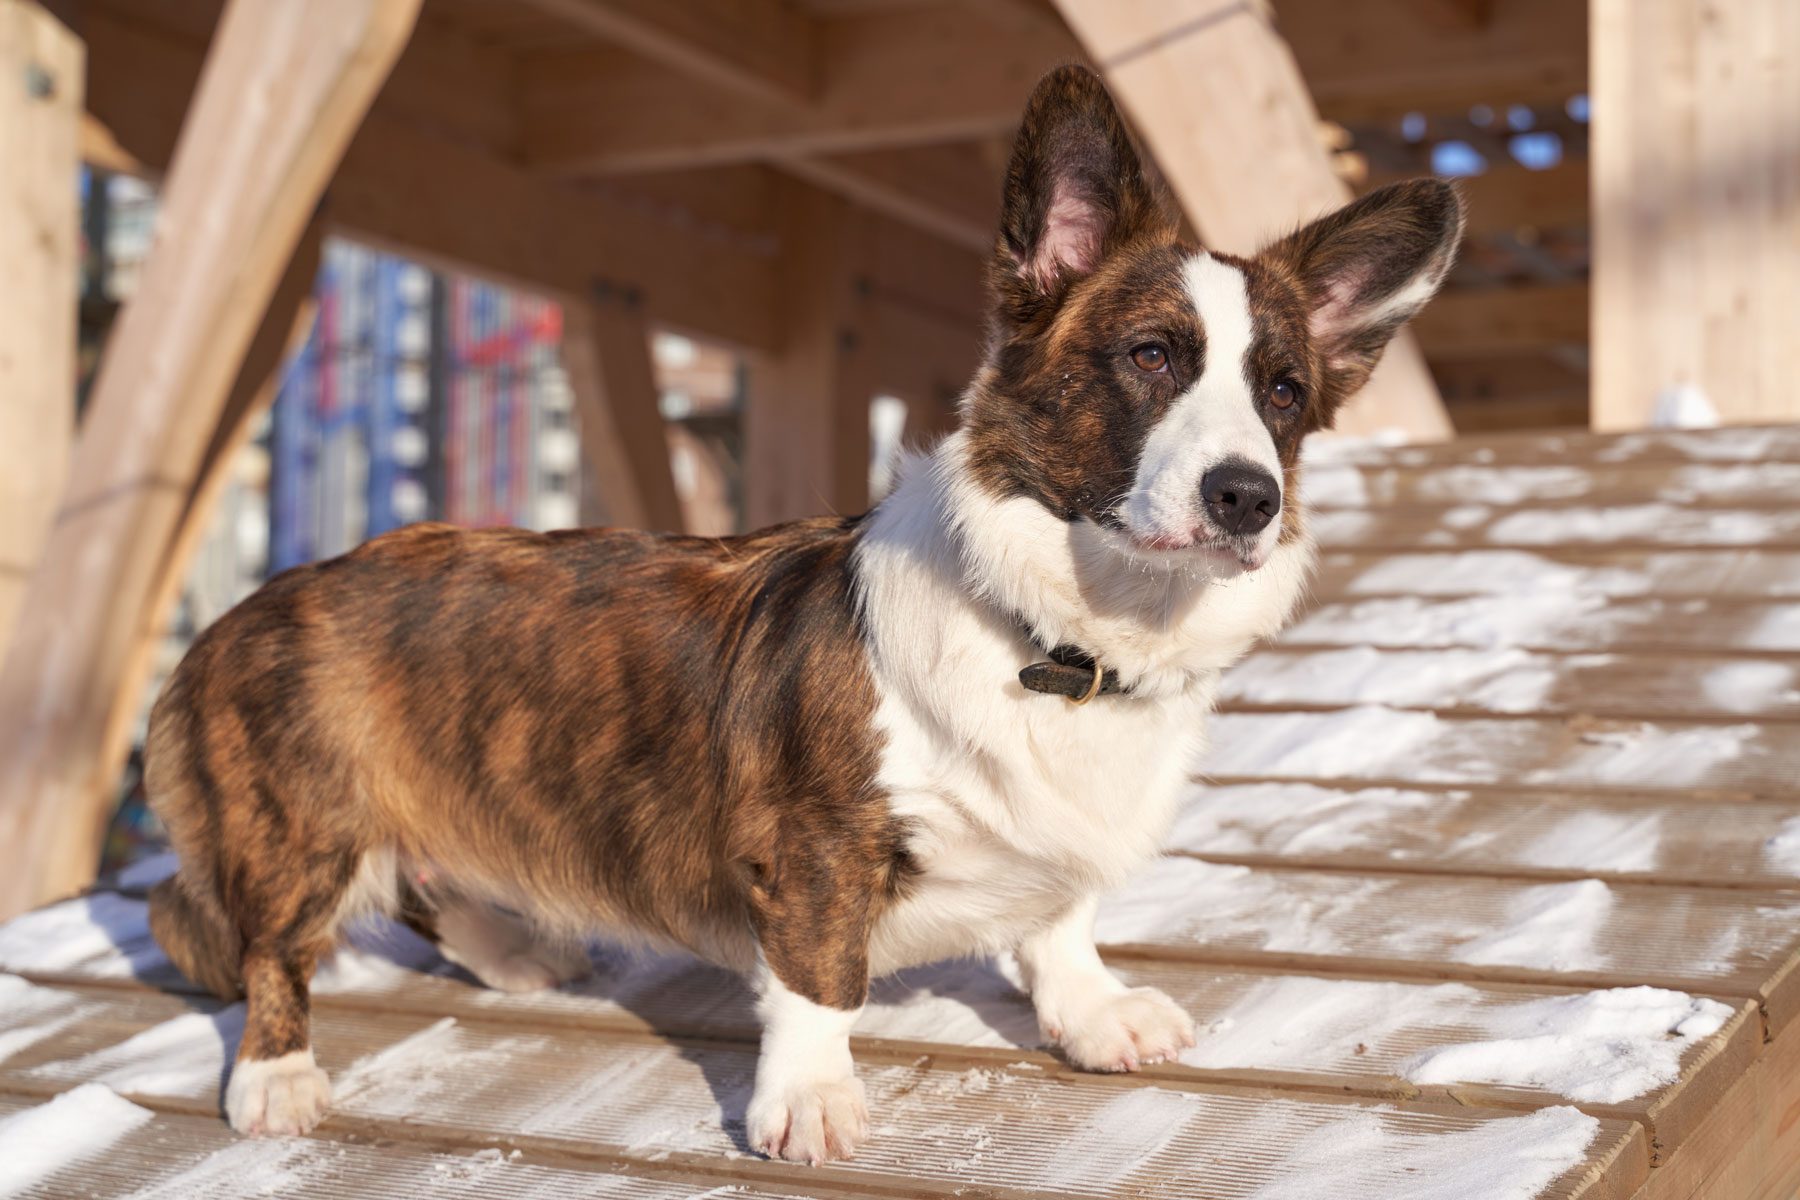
point(830, 749)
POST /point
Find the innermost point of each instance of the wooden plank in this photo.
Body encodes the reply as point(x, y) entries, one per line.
point(1763, 485)
point(41, 85)
point(1173, 67)
point(1555, 623)
point(173, 1155)
point(693, 271)
point(1504, 320)
point(1377, 743)
point(247, 176)
point(1750, 443)
point(806, 428)
point(888, 77)
point(1748, 1148)
point(1529, 52)
point(946, 191)
point(1507, 197)
point(1585, 933)
point(1474, 681)
point(1258, 1028)
point(1379, 1032)
point(628, 1098)
point(1696, 210)
point(1596, 571)
point(606, 352)
point(1524, 527)
point(765, 49)
point(1683, 839)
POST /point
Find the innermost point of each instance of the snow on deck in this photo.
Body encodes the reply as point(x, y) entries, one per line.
point(1489, 889)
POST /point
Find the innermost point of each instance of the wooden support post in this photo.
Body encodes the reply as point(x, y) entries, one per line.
point(1696, 203)
point(283, 331)
point(285, 85)
point(1214, 91)
point(40, 131)
point(806, 430)
point(606, 352)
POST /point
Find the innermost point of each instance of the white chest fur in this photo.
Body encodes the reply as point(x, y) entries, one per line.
point(1020, 803)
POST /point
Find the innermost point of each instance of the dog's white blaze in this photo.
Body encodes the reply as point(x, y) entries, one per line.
point(1214, 420)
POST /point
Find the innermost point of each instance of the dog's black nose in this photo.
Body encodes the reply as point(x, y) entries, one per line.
point(1240, 498)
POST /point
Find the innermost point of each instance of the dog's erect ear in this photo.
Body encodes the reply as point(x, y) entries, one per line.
point(1367, 268)
point(1075, 191)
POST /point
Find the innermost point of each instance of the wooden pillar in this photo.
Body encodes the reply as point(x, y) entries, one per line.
point(806, 428)
point(285, 85)
point(606, 353)
point(1696, 211)
point(283, 331)
point(41, 89)
point(1214, 90)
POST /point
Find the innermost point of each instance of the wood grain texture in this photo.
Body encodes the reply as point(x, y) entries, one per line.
point(41, 84)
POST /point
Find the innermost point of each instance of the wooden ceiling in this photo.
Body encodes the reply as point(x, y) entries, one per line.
point(906, 106)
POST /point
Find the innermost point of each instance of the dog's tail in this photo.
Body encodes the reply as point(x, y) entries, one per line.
point(197, 939)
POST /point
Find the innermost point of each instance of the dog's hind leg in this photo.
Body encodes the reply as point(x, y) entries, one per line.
point(276, 1087)
point(498, 948)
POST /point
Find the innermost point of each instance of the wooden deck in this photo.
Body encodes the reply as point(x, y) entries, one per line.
point(1534, 738)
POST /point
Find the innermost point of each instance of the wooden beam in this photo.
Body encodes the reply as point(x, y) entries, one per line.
point(764, 49)
point(1696, 256)
point(606, 353)
point(1377, 60)
point(1504, 320)
point(285, 85)
point(1507, 198)
point(284, 329)
point(1178, 67)
point(887, 78)
point(41, 88)
point(693, 271)
point(947, 191)
point(806, 427)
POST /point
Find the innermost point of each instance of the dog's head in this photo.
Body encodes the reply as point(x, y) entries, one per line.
point(1156, 390)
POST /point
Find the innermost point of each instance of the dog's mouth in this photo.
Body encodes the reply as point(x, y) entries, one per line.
point(1214, 552)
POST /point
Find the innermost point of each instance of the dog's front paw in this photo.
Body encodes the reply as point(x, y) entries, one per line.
point(812, 1122)
point(1123, 1031)
point(286, 1095)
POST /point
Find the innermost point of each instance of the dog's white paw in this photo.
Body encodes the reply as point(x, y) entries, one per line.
point(286, 1095)
point(814, 1122)
point(1123, 1031)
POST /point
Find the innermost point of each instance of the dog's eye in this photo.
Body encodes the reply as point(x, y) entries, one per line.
point(1150, 357)
point(1284, 394)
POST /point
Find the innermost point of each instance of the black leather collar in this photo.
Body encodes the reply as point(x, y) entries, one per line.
point(1070, 673)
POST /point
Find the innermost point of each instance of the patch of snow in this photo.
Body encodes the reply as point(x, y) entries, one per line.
point(77, 1125)
point(1782, 852)
point(1602, 1047)
point(1502, 680)
point(1333, 485)
point(1750, 686)
point(1599, 841)
point(1294, 818)
point(1382, 1152)
point(1475, 621)
point(1493, 572)
point(1465, 516)
point(1297, 1023)
point(103, 933)
point(185, 1056)
point(1684, 406)
point(1552, 927)
point(1636, 522)
point(29, 1014)
point(1653, 753)
point(1119, 1139)
point(1366, 741)
point(250, 1167)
